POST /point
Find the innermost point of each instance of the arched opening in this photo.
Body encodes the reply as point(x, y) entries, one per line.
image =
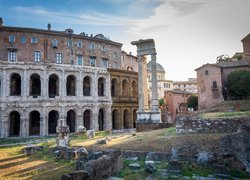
point(101, 119)
point(215, 85)
point(114, 119)
point(53, 86)
point(86, 86)
point(101, 86)
point(134, 118)
point(34, 123)
point(71, 118)
point(71, 85)
point(126, 119)
point(114, 87)
point(15, 84)
point(125, 87)
point(35, 85)
point(86, 119)
point(53, 118)
point(134, 89)
point(14, 123)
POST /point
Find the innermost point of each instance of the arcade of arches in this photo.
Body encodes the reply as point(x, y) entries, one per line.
point(16, 123)
point(124, 94)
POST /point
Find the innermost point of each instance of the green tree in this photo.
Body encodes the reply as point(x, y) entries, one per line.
point(192, 102)
point(239, 83)
point(161, 102)
point(223, 58)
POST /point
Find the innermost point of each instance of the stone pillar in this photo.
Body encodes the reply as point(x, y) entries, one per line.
point(62, 85)
point(79, 117)
point(24, 125)
point(145, 82)
point(24, 85)
point(154, 101)
point(140, 84)
point(94, 120)
point(107, 122)
point(5, 89)
point(43, 123)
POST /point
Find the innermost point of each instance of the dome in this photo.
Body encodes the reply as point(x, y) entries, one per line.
point(159, 67)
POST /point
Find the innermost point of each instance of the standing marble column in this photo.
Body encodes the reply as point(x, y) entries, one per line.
point(155, 106)
point(140, 84)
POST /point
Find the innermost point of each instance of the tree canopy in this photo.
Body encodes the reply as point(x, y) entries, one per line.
point(239, 84)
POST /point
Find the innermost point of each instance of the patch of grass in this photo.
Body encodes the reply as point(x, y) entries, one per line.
point(189, 169)
point(220, 115)
point(239, 174)
point(168, 131)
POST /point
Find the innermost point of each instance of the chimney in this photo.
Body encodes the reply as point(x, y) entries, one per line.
point(49, 26)
point(1, 21)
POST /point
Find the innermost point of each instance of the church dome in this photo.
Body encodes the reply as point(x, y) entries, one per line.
point(159, 67)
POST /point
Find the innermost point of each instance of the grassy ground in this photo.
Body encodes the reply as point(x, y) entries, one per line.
point(42, 165)
point(220, 115)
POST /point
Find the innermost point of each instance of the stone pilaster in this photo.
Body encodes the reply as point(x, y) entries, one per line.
point(155, 106)
point(140, 84)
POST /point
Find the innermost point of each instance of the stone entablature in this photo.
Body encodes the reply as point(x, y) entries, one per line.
point(48, 110)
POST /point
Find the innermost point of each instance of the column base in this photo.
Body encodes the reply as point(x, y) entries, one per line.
point(149, 117)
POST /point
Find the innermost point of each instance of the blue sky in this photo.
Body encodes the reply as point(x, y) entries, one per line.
point(188, 33)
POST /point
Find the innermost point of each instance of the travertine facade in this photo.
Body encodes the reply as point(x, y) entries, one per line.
point(124, 93)
point(47, 76)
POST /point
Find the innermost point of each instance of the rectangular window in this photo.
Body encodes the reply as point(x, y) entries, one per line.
point(92, 60)
point(54, 43)
point(115, 55)
point(37, 56)
point(103, 48)
point(115, 65)
point(79, 60)
point(92, 46)
point(12, 38)
point(105, 63)
point(70, 44)
point(12, 55)
point(34, 40)
point(79, 44)
point(59, 58)
point(23, 40)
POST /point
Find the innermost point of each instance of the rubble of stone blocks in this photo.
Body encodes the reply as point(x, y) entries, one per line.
point(100, 168)
point(70, 153)
point(31, 149)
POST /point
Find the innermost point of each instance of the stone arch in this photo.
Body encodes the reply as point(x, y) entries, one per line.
point(101, 86)
point(126, 119)
point(134, 117)
point(115, 118)
point(14, 124)
point(53, 87)
point(87, 86)
point(101, 118)
point(35, 85)
point(71, 85)
point(114, 87)
point(15, 84)
point(34, 123)
point(87, 115)
point(52, 121)
point(134, 88)
point(125, 87)
point(71, 120)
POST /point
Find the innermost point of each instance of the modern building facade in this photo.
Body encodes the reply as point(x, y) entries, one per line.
point(162, 83)
point(49, 76)
point(190, 85)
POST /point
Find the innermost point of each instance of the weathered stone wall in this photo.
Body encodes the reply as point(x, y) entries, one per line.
point(196, 124)
point(25, 103)
point(140, 126)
